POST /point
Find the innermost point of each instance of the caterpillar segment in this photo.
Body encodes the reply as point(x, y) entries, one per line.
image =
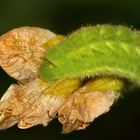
point(103, 50)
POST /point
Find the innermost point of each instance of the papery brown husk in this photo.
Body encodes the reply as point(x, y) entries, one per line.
point(34, 103)
point(83, 107)
point(21, 52)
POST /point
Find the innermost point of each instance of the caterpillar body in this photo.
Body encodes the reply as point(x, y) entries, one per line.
point(104, 50)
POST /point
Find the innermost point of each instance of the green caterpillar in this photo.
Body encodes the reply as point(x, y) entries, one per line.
point(101, 50)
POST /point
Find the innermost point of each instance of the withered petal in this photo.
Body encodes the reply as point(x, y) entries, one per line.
point(21, 52)
point(28, 106)
point(81, 108)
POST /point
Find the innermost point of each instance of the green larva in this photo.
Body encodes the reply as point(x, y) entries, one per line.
point(103, 50)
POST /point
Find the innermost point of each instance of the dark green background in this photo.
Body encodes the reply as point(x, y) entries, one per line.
point(64, 16)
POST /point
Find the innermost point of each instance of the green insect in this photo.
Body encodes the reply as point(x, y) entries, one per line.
point(102, 50)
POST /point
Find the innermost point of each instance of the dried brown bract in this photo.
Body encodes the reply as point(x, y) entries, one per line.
point(21, 51)
point(83, 107)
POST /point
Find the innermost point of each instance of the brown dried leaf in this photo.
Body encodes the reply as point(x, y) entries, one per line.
point(21, 52)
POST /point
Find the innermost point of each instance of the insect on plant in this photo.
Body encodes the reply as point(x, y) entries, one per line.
point(76, 78)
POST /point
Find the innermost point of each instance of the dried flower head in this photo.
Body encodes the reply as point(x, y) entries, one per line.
point(54, 76)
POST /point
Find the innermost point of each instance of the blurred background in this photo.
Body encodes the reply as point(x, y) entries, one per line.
point(63, 17)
